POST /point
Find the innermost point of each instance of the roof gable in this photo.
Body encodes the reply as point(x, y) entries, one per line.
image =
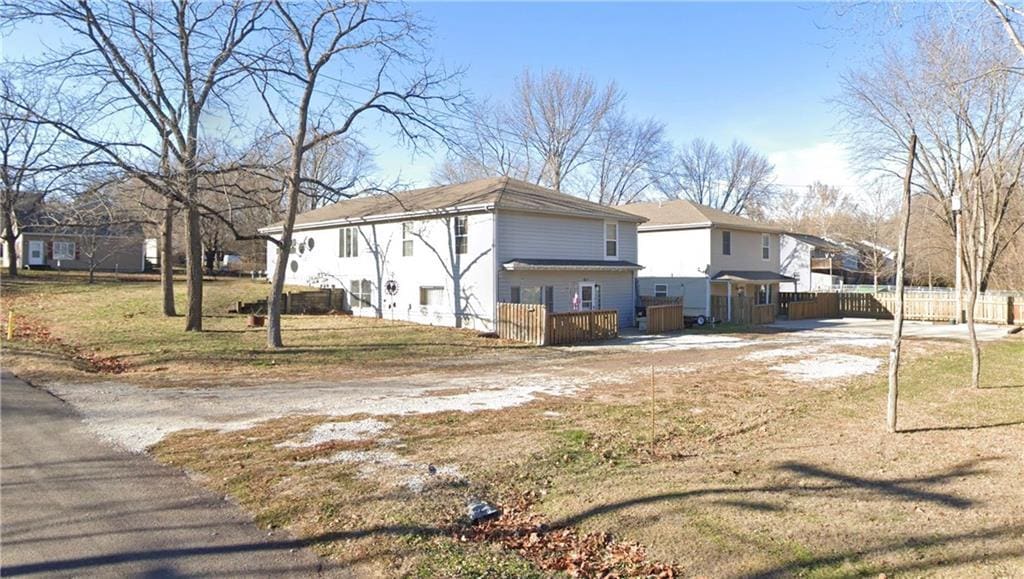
point(501, 193)
point(684, 214)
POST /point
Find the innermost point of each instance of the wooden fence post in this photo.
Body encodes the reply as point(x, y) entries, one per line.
point(1009, 310)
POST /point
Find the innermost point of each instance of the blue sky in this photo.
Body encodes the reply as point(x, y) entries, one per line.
point(760, 72)
point(764, 73)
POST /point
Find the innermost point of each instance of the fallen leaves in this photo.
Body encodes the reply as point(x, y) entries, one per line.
point(33, 331)
point(564, 549)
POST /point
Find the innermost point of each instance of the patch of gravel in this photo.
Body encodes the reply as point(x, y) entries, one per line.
point(339, 431)
point(828, 367)
point(388, 467)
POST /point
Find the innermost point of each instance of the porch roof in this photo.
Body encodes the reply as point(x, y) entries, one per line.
point(752, 276)
point(570, 265)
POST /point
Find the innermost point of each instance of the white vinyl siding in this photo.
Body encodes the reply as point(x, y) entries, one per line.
point(524, 235)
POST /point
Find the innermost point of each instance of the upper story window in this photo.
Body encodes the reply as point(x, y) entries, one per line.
point(348, 243)
point(766, 246)
point(63, 250)
point(611, 239)
point(462, 235)
point(407, 239)
point(726, 243)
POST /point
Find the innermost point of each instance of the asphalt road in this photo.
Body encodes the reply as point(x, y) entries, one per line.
point(71, 505)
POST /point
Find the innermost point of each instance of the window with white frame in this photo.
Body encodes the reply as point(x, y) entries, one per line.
point(431, 295)
point(541, 295)
point(764, 294)
point(348, 242)
point(611, 239)
point(461, 235)
point(766, 246)
point(661, 290)
point(726, 243)
point(407, 239)
point(361, 293)
point(63, 250)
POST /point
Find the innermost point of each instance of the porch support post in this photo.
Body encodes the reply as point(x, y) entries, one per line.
point(707, 297)
point(728, 301)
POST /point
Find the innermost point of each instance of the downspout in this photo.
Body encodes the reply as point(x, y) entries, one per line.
point(495, 265)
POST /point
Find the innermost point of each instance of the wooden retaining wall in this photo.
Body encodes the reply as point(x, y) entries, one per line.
point(533, 324)
point(664, 318)
point(306, 302)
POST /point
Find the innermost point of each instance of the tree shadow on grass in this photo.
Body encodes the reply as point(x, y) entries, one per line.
point(957, 428)
point(919, 489)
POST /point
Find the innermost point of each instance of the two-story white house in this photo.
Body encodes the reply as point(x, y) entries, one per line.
point(696, 252)
point(446, 255)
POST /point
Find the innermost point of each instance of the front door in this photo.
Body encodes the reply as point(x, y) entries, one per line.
point(590, 296)
point(35, 252)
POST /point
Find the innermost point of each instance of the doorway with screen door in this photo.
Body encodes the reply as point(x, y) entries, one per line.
point(35, 253)
point(590, 296)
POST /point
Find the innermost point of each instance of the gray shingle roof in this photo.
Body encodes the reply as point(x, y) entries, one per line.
point(684, 213)
point(502, 192)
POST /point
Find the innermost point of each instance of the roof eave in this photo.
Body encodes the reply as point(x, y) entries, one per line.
point(382, 217)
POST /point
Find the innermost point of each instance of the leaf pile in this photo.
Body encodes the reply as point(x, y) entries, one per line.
point(564, 550)
point(31, 330)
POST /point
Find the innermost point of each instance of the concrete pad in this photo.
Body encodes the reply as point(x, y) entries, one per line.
point(867, 326)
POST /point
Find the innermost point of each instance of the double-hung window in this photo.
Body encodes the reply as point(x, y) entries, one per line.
point(661, 290)
point(407, 239)
point(611, 239)
point(348, 242)
point(63, 250)
point(726, 243)
point(461, 235)
point(431, 295)
point(766, 246)
point(538, 294)
point(361, 293)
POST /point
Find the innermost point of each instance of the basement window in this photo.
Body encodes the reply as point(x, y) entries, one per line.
point(361, 293)
point(431, 295)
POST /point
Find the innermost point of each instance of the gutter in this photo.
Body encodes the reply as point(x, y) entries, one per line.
point(379, 218)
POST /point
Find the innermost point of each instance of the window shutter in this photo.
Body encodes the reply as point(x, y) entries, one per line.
point(78, 252)
point(515, 294)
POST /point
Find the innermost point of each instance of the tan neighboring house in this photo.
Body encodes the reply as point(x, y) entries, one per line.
point(694, 251)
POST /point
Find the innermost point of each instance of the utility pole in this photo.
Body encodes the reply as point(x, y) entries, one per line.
point(957, 261)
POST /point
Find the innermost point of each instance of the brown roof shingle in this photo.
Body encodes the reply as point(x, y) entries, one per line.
point(502, 192)
point(687, 214)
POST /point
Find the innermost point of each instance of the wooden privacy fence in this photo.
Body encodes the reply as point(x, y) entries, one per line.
point(523, 323)
point(531, 323)
point(929, 307)
point(648, 301)
point(307, 302)
point(744, 310)
point(821, 306)
point(666, 318)
point(785, 298)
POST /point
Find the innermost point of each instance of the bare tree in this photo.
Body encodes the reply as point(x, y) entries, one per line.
point(1011, 17)
point(29, 167)
point(311, 107)
point(628, 159)
point(736, 180)
point(484, 146)
point(557, 115)
point(901, 266)
point(955, 91)
point(157, 68)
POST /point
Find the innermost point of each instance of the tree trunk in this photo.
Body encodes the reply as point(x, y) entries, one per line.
point(901, 266)
point(284, 250)
point(12, 255)
point(194, 270)
point(972, 299)
point(167, 259)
